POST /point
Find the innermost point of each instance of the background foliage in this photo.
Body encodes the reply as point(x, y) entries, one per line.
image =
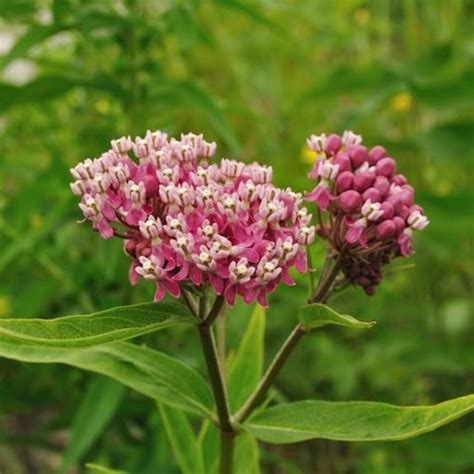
point(258, 77)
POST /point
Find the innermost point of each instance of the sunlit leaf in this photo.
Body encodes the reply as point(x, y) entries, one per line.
point(317, 315)
point(245, 369)
point(93, 468)
point(165, 381)
point(115, 324)
point(353, 421)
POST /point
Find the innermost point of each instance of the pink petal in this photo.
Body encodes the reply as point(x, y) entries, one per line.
point(262, 298)
point(133, 276)
point(159, 293)
point(183, 272)
point(230, 295)
point(104, 229)
point(171, 287)
point(354, 233)
point(250, 254)
point(195, 274)
point(217, 283)
point(286, 278)
point(404, 241)
point(301, 262)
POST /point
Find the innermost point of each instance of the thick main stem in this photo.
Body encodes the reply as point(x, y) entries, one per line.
point(227, 432)
point(227, 444)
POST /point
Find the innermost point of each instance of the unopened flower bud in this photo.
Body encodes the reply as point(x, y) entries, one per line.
point(399, 224)
point(376, 154)
point(344, 181)
point(358, 154)
point(400, 180)
point(333, 143)
point(385, 167)
point(382, 184)
point(350, 201)
point(388, 210)
point(343, 161)
point(363, 181)
point(373, 194)
point(385, 229)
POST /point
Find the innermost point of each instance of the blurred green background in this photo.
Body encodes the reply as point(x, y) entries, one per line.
point(258, 77)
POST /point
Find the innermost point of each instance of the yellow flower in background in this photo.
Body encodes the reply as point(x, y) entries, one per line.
point(5, 307)
point(402, 102)
point(307, 155)
point(362, 16)
point(36, 221)
point(102, 106)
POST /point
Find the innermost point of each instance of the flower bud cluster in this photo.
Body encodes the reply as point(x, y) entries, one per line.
point(186, 222)
point(371, 211)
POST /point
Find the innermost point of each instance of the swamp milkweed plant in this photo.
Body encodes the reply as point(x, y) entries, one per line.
point(209, 232)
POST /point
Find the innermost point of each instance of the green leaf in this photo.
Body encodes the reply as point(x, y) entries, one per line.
point(167, 380)
point(353, 421)
point(246, 455)
point(52, 86)
point(450, 141)
point(115, 324)
point(101, 400)
point(209, 442)
point(96, 469)
point(254, 13)
point(166, 370)
point(245, 369)
point(183, 442)
point(317, 315)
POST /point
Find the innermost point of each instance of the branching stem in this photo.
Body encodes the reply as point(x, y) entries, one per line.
point(322, 293)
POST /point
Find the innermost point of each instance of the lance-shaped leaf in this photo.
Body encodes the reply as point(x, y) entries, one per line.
point(93, 468)
point(183, 441)
point(115, 324)
point(166, 380)
point(353, 421)
point(245, 369)
point(317, 315)
point(100, 403)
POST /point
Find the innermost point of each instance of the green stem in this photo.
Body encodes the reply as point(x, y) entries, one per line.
point(190, 303)
point(325, 285)
point(215, 376)
point(310, 271)
point(221, 340)
point(227, 432)
point(215, 311)
point(227, 441)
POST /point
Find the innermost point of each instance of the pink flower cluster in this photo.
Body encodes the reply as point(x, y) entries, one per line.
point(186, 222)
point(372, 214)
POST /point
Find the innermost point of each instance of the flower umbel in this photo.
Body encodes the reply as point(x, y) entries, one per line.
point(185, 222)
point(371, 215)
